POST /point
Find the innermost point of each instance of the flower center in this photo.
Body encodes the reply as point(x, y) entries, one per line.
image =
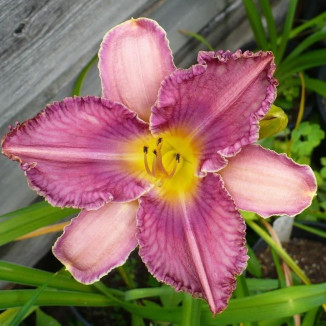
point(172, 162)
point(158, 170)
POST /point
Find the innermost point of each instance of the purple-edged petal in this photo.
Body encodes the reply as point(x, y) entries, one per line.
point(97, 241)
point(77, 152)
point(268, 183)
point(217, 103)
point(195, 242)
point(134, 59)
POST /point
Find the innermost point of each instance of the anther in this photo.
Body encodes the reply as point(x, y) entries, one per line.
point(155, 152)
point(145, 149)
point(177, 157)
point(159, 140)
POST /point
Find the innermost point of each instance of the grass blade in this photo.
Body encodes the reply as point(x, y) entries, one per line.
point(286, 30)
point(191, 309)
point(253, 267)
point(316, 85)
point(34, 277)
point(28, 219)
point(317, 22)
point(17, 298)
point(309, 318)
point(267, 306)
point(256, 24)
point(29, 303)
point(268, 13)
point(318, 36)
point(312, 84)
point(261, 285)
point(198, 37)
point(310, 229)
point(81, 77)
point(307, 60)
point(280, 251)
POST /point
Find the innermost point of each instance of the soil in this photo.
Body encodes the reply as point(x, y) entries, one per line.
point(309, 255)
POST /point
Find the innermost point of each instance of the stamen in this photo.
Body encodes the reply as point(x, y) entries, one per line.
point(177, 161)
point(145, 161)
point(158, 170)
point(154, 164)
point(159, 162)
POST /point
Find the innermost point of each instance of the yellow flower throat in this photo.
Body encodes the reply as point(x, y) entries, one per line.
point(171, 163)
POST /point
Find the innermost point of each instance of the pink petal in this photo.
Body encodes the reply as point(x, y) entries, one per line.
point(77, 152)
point(194, 243)
point(134, 59)
point(217, 103)
point(268, 183)
point(97, 241)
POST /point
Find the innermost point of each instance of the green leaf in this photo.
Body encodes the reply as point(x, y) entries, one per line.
point(191, 311)
point(272, 305)
point(268, 13)
point(171, 298)
point(307, 60)
point(42, 319)
point(323, 172)
point(313, 84)
point(34, 277)
point(323, 161)
point(316, 85)
point(198, 37)
point(309, 318)
point(7, 317)
point(262, 285)
point(310, 229)
point(315, 37)
point(163, 290)
point(316, 22)
point(256, 24)
point(307, 137)
point(28, 219)
point(286, 30)
point(81, 77)
point(253, 267)
point(30, 302)
point(280, 251)
point(17, 298)
point(274, 122)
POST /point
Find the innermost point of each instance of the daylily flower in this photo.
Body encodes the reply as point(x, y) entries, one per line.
point(163, 161)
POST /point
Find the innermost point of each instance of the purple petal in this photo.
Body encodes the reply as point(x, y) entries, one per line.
point(77, 152)
point(134, 59)
point(268, 183)
point(97, 241)
point(195, 242)
point(217, 103)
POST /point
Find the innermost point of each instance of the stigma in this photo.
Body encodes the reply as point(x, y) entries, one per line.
point(157, 169)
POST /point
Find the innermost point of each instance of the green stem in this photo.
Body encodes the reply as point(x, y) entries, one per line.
point(191, 309)
point(127, 279)
point(280, 251)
